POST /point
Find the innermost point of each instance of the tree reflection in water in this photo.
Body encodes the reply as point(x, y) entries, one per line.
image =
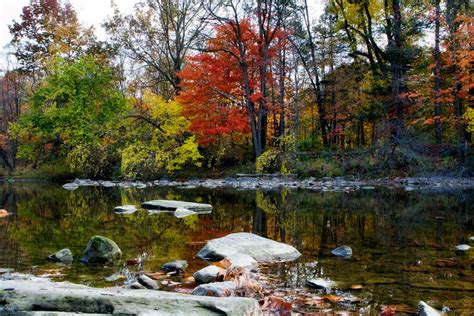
point(397, 237)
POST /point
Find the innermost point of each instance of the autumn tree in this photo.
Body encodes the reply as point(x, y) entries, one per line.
point(48, 28)
point(150, 150)
point(11, 100)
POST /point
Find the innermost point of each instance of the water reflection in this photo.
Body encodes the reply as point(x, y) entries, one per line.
point(399, 239)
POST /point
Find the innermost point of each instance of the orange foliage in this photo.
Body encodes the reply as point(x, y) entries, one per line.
point(213, 93)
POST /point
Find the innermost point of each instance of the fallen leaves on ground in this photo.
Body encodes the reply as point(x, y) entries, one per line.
point(248, 286)
point(276, 305)
point(189, 279)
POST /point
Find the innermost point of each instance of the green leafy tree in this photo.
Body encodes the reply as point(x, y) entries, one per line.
point(74, 114)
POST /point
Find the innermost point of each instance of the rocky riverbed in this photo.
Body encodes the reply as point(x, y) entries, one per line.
point(270, 181)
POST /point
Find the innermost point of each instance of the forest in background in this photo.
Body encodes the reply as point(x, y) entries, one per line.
point(183, 87)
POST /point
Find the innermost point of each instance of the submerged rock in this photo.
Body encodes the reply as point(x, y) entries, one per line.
point(320, 283)
point(175, 265)
point(125, 209)
point(42, 295)
point(220, 289)
point(343, 251)
point(207, 275)
point(426, 310)
point(261, 249)
point(172, 205)
point(101, 250)
point(148, 282)
point(182, 212)
point(63, 255)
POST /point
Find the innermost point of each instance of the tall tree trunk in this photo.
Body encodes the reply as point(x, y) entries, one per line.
point(262, 109)
point(437, 68)
point(296, 101)
point(396, 45)
point(281, 85)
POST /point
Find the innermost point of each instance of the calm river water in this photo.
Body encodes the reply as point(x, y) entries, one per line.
point(402, 241)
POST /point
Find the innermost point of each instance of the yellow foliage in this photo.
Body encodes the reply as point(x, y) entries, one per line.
point(469, 117)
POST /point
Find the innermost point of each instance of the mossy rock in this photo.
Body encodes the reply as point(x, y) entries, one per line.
point(101, 250)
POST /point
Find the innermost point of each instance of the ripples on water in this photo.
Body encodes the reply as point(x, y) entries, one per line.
point(402, 241)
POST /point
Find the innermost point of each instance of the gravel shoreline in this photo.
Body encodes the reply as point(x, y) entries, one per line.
point(268, 182)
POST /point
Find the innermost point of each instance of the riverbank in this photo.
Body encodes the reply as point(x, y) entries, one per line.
point(274, 181)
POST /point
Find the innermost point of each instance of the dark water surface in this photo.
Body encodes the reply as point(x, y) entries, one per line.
point(402, 241)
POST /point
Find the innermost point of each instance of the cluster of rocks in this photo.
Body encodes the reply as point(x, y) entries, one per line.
point(180, 209)
point(251, 182)
point(99, 250)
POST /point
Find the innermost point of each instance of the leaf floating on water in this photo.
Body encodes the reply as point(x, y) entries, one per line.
point(170, 283)
point(157, 275)
point(332, 298)
point(315, 300)
point(445, 263)
point(276, 305)
point(132, 262)
point(224, 263)
point(387, 311)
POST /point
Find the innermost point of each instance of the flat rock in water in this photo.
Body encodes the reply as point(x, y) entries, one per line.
point(173, 205)
point(175, 265)
point(63, 255)
point(71, 186)
point(320, 283)
point(42, 295)
point(261, 249)
point(426, 310)
point(219, 289)
point(101, 250)
point(243, 261)
point(462, 248)
point(183, 212)
point(207, 275)
point(343, 251)
point(148, 282)
point(125, 209)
